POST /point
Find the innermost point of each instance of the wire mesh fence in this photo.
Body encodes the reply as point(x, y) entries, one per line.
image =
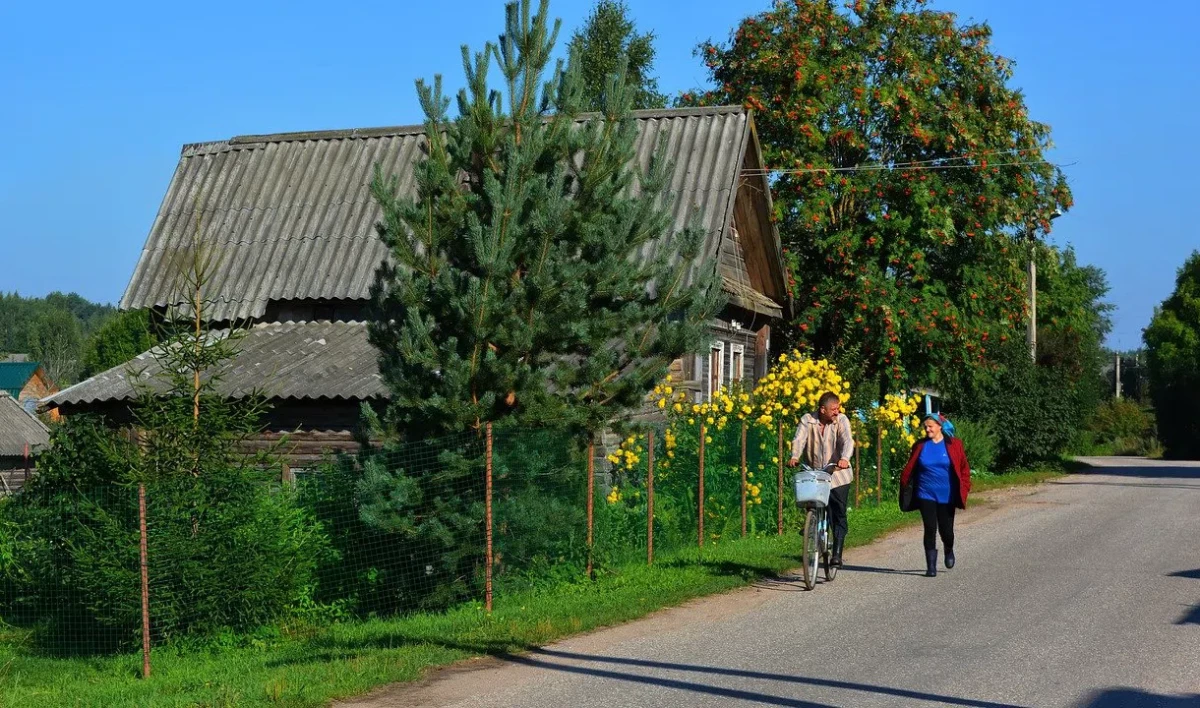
point(419, 526)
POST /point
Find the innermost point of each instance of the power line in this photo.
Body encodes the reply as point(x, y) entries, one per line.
point(912, 166)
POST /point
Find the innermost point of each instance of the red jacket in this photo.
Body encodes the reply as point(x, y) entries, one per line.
point(960, 481)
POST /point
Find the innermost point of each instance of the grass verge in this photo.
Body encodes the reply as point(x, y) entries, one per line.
point(308, 666)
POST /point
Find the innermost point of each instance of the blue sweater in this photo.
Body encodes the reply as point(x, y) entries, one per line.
point(933, 473)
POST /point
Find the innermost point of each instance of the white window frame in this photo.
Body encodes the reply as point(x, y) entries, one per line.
point(717, 348)
point(737, 355)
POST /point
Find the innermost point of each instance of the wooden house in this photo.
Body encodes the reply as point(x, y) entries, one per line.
point(291, 220)
point(26, 382)
point(22, 438)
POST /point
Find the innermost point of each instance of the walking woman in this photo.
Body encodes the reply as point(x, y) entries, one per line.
point(935, 482)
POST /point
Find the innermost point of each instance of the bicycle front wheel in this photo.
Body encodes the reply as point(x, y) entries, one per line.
point(810, 553)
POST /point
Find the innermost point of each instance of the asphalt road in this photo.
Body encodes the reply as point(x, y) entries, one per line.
point(1082, 593)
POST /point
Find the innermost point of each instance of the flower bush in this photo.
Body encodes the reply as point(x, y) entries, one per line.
point(791, 388)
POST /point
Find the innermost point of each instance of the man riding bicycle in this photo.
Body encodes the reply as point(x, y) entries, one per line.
point(823, 439)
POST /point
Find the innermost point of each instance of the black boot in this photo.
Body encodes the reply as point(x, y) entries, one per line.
point(835, 558)
point(949, 558)
point(931, 563)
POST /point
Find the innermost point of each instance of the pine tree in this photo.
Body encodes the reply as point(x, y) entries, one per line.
point(608, 38)
point(515, 288)
point(516, 292)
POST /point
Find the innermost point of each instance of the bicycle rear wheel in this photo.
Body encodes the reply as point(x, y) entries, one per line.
point(809, 556)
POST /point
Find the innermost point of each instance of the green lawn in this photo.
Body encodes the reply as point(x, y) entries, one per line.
point(309, 666)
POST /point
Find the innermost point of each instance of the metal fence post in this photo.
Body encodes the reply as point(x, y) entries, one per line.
point(650, 499)
point(487, 503)
point(700, 495)
point(145, 581)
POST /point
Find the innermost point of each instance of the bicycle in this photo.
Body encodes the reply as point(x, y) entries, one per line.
point(812, 494)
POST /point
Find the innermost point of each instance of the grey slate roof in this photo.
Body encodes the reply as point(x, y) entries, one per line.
point(292, 218)
point(18, 429)
point(282, 360)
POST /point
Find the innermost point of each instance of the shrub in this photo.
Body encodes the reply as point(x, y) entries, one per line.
point(981, 443)
point(226, 549)
point(1121, 427)
point(1034, 409)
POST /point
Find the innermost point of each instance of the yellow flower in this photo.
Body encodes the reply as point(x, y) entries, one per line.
point(662, 403)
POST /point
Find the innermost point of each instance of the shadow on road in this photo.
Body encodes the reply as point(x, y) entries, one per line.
point(635, 671)
point(1143, 485)
point(1133, 698)
point(885, 571)
point(1145, 471)
point(1190, 574)
point(1192, 616)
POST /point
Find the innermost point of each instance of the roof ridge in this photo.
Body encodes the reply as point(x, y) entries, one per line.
point(419, 129)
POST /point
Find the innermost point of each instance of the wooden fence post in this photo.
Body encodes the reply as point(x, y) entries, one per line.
point(145, 581)
point(779, 513)
point(25, 480)
point(879, 465)
point(744, 479)
point(700, 495)
point(487, 505)
point(287, 476)
point(857, 477)
point(650, 499)
point(591, 490)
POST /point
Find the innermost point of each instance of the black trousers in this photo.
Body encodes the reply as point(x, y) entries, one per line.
point(839, 498)
point(938, 518)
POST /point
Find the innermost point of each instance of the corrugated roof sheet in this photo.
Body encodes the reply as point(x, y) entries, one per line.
point(18, 429)
point(282, 360)
point(291, 216)
point(14, 376)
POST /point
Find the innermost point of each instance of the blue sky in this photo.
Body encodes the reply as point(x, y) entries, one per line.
point(99, 97)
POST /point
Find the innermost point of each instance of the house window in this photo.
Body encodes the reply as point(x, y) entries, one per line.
point(737, 361)
point(716, 368)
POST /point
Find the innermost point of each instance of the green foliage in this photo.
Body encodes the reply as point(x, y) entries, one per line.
point(1173, 354)
point(1121, 427)
point(514, 288)
point(55, 340)
point(515, 292)
point(225, 547)
point(117, 341)
point(1033, 409)
point(38, 326)
point(607, 41)
point(981, 443)
point(910, 265)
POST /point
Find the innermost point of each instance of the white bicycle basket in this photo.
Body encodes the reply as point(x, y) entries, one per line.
point(812, 488)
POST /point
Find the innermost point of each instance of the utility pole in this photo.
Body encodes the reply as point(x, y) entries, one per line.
point(1031, 334)
point(1118, 391)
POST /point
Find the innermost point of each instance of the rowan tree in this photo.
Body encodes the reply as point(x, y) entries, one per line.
point(907, 178)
